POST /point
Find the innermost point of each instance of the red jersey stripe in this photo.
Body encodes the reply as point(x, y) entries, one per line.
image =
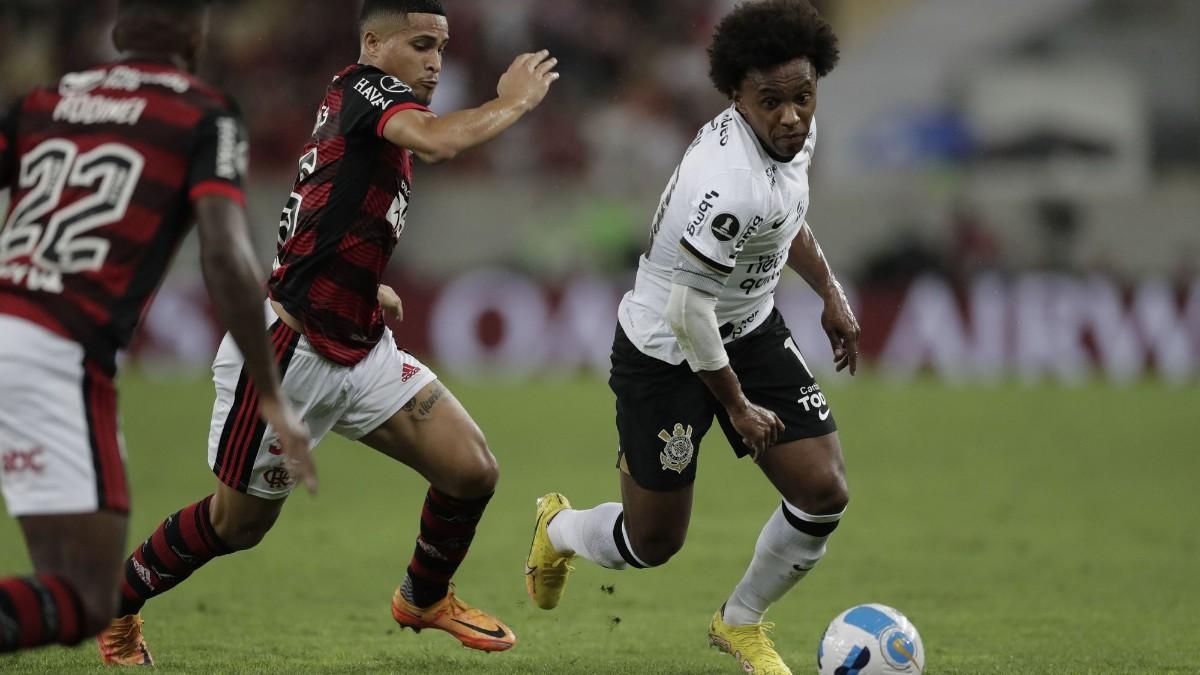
point(383, 120)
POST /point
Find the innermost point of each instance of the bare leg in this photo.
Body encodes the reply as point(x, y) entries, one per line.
point(436, 436)
point(78, 561)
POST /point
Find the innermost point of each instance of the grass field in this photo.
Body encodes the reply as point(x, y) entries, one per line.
point(1023, 530)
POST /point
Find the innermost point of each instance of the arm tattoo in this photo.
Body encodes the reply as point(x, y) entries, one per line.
point(425, 407)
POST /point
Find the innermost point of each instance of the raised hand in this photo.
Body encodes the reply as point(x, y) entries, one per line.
point(528, 79)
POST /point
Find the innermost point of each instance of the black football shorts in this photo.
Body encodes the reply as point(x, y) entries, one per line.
point(663, 411)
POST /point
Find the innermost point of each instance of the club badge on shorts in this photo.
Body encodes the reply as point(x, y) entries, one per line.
point(679, 449)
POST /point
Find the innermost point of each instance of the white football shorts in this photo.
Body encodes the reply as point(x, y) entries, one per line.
point(351, 401)
point(61, 450)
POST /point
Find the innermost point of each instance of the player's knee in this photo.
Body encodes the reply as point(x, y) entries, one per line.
point(828, 495)
point(478, 473)
point(833, 498)
point(481, 478)
point(656, 548)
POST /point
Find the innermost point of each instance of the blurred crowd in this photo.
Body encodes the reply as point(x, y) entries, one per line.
point(634, 88)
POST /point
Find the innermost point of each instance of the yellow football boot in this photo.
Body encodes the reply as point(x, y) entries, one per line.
point(546, 570)
point(754, 651)
point(121, 644)
point(473, 627)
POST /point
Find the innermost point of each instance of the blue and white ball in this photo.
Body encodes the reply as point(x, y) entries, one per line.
point(871, 640)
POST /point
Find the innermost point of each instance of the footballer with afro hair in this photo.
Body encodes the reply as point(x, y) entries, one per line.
point(699, 338)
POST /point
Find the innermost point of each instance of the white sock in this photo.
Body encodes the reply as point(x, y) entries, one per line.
point(589, 534)
point(783, 555)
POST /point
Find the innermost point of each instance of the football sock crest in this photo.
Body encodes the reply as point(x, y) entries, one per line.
point(39, 610)
point(789, 546)
point(447, 529)
point(182, 544)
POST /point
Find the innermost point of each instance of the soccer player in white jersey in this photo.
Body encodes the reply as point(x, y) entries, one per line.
point(699, 337)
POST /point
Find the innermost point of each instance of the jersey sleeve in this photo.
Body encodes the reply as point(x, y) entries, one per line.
point(371, 99)
point(220, 158)
point(724, 212)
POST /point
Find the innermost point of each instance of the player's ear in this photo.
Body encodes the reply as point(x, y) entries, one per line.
point(118, 36)
point(370, 43)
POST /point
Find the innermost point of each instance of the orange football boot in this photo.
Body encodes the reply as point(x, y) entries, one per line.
point(121, 644)
point(473, 627)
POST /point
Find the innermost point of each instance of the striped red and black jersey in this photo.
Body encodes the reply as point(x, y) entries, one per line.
point(103, 169)
point(345, 214)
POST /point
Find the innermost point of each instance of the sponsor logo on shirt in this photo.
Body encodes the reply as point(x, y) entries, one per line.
point(120, 77)
point(233, 153)
point(373, 95)
point(393, 85)
point(725, 122)
point(322, 118)
point(702, 211)
point(725, 227)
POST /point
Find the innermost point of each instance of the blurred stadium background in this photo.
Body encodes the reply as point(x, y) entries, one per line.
point(1010, 192)
point(1009, 189)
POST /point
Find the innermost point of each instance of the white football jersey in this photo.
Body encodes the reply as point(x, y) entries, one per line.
point(731, 208)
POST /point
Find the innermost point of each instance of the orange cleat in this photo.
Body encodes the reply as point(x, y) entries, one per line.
point(121, 644)
point(474, 628)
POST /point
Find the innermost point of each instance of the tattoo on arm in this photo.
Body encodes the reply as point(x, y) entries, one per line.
point(425, 407)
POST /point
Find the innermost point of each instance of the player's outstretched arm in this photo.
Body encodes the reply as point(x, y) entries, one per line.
point(235, 284)
point(438, 139)
point(692, 315)
point(807, 259)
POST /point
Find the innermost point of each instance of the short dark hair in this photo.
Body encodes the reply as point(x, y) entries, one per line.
point(764, 33)
point(171, 6)
point(373, 7)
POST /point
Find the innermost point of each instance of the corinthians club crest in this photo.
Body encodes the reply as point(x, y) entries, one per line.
point(679, 449)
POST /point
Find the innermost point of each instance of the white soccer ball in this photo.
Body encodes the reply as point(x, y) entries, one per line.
point(871, 640)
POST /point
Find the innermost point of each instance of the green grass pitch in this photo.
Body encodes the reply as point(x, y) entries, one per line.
point(1024, 530)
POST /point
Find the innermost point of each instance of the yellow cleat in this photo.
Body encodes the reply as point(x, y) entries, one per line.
point(754, 651)
point(546, 570)
point(121, 644)
point(473, 627)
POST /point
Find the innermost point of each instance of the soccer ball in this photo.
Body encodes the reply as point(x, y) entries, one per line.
point(871, 640)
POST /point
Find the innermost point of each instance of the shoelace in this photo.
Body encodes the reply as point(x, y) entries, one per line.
point(557, 573)
point(759, 644)
point(125, 642)
point(458, 609)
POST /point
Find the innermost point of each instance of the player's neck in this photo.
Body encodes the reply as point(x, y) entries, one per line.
point(366, 60)
point(172, 59)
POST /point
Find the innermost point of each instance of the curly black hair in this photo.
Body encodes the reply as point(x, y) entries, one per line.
point(762, 33)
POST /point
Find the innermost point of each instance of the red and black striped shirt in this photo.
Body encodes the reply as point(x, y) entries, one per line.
point(345, 214)
point(103, 169)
